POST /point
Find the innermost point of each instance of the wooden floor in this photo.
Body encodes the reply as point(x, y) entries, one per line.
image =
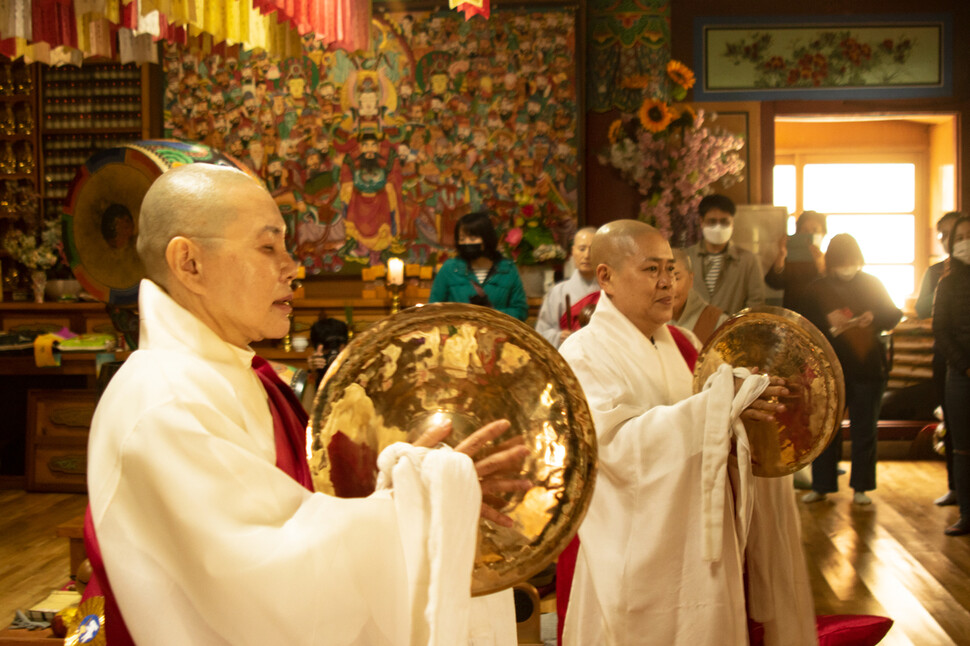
point(33, 560)
point(890, 558)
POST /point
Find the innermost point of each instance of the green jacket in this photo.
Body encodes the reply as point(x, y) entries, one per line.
point(453, 284)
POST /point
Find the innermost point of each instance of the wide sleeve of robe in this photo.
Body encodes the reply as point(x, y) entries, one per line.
point(206, 542)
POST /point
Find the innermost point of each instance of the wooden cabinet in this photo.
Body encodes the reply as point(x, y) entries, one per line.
point(20, 186)
point(18, 130)
point(84, 110)
point(58, 422)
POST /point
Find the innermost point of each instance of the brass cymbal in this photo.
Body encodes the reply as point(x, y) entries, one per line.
point(471, 365)
point(780, 342)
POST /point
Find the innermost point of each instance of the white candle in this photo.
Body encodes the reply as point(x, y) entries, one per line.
point(395, 271)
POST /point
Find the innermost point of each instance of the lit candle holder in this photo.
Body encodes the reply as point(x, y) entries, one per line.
point(395, 271)
point(395, 279)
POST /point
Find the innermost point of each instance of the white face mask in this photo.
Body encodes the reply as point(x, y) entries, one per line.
point(961, 251)
point(718, 234)
point(817, 239)
point(846, 273)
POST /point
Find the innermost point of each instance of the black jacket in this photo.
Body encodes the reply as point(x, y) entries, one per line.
point(860, 350)
point(951, 316)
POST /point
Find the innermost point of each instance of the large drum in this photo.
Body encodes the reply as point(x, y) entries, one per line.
point(101, 212)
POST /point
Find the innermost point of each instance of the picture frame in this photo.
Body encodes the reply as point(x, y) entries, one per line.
point(823, 58)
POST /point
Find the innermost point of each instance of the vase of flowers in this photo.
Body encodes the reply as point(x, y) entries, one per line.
point(530, 242)
point(671, 153)
point(37, 248)
point(38, 283)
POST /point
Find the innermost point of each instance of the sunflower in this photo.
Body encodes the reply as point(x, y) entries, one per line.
point(680, 74)
point(613, 134)
point(654, 115)
point(638, 82)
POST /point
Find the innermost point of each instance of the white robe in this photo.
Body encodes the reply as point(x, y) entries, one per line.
point(662, 545)
point(554, 304)
point(206, 542)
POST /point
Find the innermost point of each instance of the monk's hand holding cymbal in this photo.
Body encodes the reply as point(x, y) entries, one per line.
point(498, 466)
point(763, 409)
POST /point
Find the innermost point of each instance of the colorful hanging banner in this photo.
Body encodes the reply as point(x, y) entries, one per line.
point(37, 28)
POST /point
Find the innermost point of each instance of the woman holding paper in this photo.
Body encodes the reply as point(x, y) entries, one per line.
point(853, 309)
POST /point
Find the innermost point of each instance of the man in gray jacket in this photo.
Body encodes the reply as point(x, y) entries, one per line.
point(726, 276)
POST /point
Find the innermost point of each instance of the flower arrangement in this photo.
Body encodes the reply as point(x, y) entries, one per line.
point(39, 247)
point(530, 241)
point(670, 154)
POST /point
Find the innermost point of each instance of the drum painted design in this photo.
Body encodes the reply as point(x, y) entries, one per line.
point(100, 221)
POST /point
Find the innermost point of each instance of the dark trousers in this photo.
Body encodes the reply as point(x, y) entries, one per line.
point(939, 387)
point(864, 399)
point(958, 427)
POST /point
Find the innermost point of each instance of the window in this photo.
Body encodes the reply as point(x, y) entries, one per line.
point(873, 201)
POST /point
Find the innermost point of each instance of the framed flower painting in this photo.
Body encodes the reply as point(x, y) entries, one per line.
point(858, 57)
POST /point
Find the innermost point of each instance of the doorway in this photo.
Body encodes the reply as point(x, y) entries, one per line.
point(884, 179)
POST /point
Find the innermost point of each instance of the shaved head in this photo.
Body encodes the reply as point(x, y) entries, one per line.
point(616, 241)
point(191, 201)
point(582, 258)
point(634, 268)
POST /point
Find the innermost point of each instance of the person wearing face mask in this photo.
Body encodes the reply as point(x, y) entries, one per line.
point(580, 284)
point(726, 276)
point(480, 275)
point(924, 309)
point(852, 309)
point(800, 260)
point(951, 327)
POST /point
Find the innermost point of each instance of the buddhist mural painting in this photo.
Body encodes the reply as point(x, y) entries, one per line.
point(373, 154)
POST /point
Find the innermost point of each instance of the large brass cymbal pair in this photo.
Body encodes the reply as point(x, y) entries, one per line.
point(472, 365)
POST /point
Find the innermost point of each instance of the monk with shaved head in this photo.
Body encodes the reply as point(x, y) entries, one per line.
point(203, 526)
point(691, 311)
point(552, 322)
point(634, 267)
point(675, 516)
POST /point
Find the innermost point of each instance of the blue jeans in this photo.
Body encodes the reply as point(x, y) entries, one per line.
point(958, 427)
point(864, 399)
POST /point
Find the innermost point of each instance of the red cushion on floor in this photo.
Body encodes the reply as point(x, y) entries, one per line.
point(851, 630)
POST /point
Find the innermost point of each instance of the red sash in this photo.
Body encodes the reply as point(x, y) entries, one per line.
point(570, 320)
point(289, 430)
point(289, 424)
point(687, 349)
